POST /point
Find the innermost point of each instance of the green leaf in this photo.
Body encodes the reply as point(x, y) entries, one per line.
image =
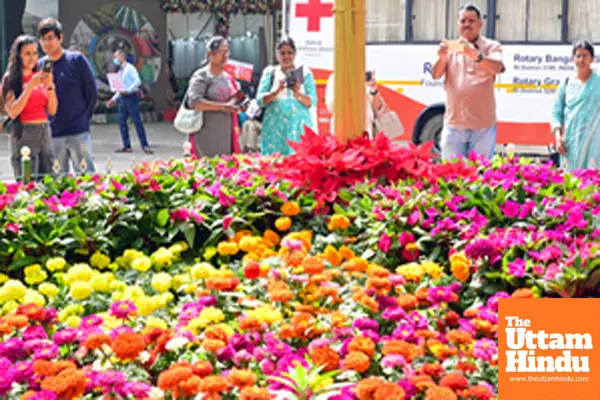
point(162, 218)
point(189, 232)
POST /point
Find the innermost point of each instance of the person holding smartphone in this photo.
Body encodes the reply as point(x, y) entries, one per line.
point(289, 97)
point(29, 97)
point(470, 66)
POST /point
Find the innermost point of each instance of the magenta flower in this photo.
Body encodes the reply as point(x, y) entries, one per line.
point(366, 324)
point(49, 352)
point(91, 322)
point(65, 336)
point(393, 361)
point(34, 332)
point(404, 332)
point(394, 314)
point(485, 349)
point(123, 309)
point(517, 268)
point(385, 243)
point(137, 390)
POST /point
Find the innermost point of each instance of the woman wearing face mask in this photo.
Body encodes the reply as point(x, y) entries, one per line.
point(29, 97)
point(287, 109)
point(216, 93)
point(576, 112)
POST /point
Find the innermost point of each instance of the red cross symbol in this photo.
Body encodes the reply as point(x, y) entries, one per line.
point(314, 10)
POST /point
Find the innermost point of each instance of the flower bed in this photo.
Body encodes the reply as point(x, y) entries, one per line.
point(248, 278)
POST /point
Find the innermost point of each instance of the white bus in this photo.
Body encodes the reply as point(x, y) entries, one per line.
point(535, 34)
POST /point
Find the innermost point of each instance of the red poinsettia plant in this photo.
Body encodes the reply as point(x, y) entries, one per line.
point(324, 165)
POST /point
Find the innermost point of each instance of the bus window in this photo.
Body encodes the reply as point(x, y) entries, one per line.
point(429, 19)
point(386, 21)
point(584, 20)
point(454, 7)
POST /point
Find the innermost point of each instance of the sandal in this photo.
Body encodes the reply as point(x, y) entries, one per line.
point(124, 150)
point(148, 150)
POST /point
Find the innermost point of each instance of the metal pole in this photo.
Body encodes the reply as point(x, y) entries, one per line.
point(284, 14)
point(3, 24)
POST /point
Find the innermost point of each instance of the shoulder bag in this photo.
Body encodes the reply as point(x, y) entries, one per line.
point(188, 121)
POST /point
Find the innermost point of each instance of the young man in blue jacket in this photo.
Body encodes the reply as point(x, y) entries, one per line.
point(77, 95)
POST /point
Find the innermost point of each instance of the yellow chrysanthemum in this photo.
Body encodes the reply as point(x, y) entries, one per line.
point(412, 272)
point(154, 322)
point(338, 222)
point(161, 282)
point(227, 248)
point(266, 314)
point(435, 270)
point(73, 321)
point(48, 289)
point(79, 273)
point(12, 290)
point(460, 266)
point(81, 290)
point(99, 260)
point(142, 264)
point(3, 278)
point(34, 297)
point(34, 274)
point(162, 257)
point(103, 282)
point(202, 271)
point(56, 264)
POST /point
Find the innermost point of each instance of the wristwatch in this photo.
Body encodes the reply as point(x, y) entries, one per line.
point(480, 57)
point(374, 92)
point(50, 88)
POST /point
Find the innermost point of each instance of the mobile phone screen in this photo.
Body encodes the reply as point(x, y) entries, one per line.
point(48, 66)
point(455, 46)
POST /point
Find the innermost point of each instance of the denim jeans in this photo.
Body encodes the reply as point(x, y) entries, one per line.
point(75, 148)
point(461, 142)
point(129, 106)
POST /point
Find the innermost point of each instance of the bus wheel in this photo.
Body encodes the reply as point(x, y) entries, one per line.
point(432, 131)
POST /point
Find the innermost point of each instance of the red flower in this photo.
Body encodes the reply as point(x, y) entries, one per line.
point(252, 270)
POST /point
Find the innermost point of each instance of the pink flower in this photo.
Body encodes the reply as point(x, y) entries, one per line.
point(385, 243)
point(118, 187)
point(517, 268)
point(227, 221)
point(485, 349)
point(123, 309)
point(12, 227)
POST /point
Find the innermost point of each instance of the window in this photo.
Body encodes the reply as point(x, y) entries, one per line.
point(545, 20)
point(529, 20)
point(429, 19)
point(35, 11)
point(385, 20)
point(584, 20)
point(453, 9)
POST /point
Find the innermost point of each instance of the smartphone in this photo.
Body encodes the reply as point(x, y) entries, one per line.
point(244, 103)
point(455, 46)
point(48, 65)
point(369, 76)
point(291, 79)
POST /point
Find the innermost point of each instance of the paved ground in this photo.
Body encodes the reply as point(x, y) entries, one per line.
point(164, 139)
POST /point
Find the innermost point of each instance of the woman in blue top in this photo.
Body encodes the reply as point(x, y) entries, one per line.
point(576, 112)
point(287, 109)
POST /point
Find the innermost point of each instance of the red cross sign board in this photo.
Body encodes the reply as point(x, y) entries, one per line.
point(312, 28)
point(313, 11)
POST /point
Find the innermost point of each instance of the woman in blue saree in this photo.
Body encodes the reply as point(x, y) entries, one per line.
point(576, 113)
point(287, 109)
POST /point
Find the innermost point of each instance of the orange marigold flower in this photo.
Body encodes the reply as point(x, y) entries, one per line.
point(216, 332)
point(202, 368)
point(290, 209)
point(363, 344)
point(380, 285)
point(170, 378)
point(523, 293)
point(67, 385)
point(484, 326)
point(213, 345)
point(338, 222)
point(313, 265)
point(364, 299)
point(407, 350)
point(95, 341)
point(357, 361)
point(355, 264)
point(250, 324)
point(347, 253)
point(422, 382)
point(480, 392)
point(128, 346)
point(408, 301)
point(471, 313)
point(378, 271)
point(440, 393)
point(466, 367)
point(254, 393)
point(63, 365)
point(44, 368)
point(389, 390)
point(16, 321)
point(455, 381)
point(332, 255)
point(366, 388)
point(283, 224)
point(213, 384)
point(272, 236)
point(281, 296)
point(459, 336)
point(325, 356)
point(32, 311)
point(188, 388)
point(242, 377)
point(223, 283)
point(432, 369)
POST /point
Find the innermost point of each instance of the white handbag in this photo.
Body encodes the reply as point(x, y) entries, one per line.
point(188, 121)
point(388, 122)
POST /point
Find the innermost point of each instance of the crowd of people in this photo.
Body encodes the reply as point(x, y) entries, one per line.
point(52, 106)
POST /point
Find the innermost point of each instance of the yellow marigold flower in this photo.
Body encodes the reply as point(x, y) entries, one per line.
point(227, 248)
point(99, 260)
point(133, 292)
point(290, 209)
point(56, 264)
point(118, 286)
point(272, 237)
point(209, 253)
point(179, 248)
point(130, 255)
point(338, 222)
point(9, 307)
point(161, 282)
point(250, 243)
point(283, 224)
point(332, 255)
point(73, 321)
point(34, 297)
point(48, 289)
point(347, 253)
point(154, 322)
point(179, 280)
point(162, 257)
point(460, 266)
point(12, 290)
point(142, 264)
point(103, 282)
point(190, 288)
point(145, 306)
point(433, 269)
point(79, 273)
point(202, 271)
point(412, 272)
point(3, 278)
point(266, 314)
point(81, 290)
point(34, 274)
point(212, 314)
point(239, 235)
